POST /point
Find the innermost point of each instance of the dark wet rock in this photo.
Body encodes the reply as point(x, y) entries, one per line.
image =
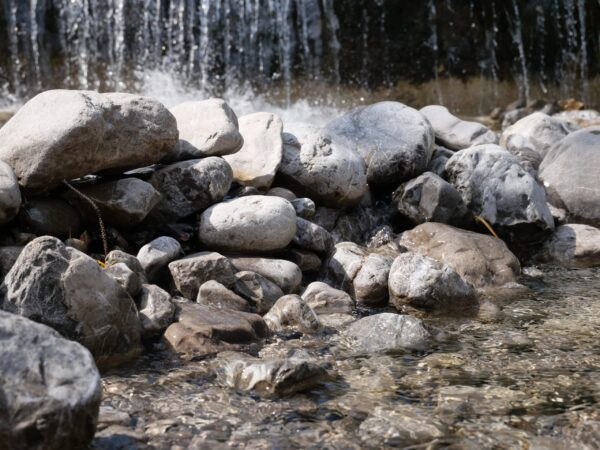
point(50, 386)
point(574, 246)
point(495, 186)
point(360, 224)
point(292, 312)
point(326, 217)
point(118, 256)
point(395, 141)
point(8, 257)
point(429, 198)
point(206, 128)
point(305, 260)
point(569, 173)
point(284, 274)
point(388, 332)
point(212, 293)
point(67, 290)
point(156, 254)
point(190, 187)
point(454, 133)
point(324, 299)
point(77, 132)
point(421, 282)
point(483, 261)
point(156, 310)
point(304, 207)
point(201, 330)
point(248, 224)
point(50, 216)
point(10, 195)
point(127, 278)
point(257, 289)
point(312, 237)
point(283, 193)
point(193, 271)
point(123, 203)
point(438, 161)
point(270, 376)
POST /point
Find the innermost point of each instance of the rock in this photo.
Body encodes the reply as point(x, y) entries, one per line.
point(569, 173)
point(321, 169)
point(123, 203)
point(305, 260)
point(248, 224)
point(304, 207)
point(283, 193)
point(8, 257)
point(51, 388)
point(75, 133)
point(189, 187)
point(291, 311)
point(156, 310)
point(324, 299)
point(310, 236)
point(584, 118)
point(482, 260)
point(326, 217)
point(201, 330)
point(214, 294)
point(255, 288)
point(437, 164)
point(395, 141)
point(388, 332)
point(50, 216)
point(361, 273)
point(494, 186)
point(10, 195)
point(67, 290)
point(361, 223)
point(193, 271)
point(259, 158)
point(127, 278)
point(284, 274)
point(157, 254)
point(278, 376)
point(118, 256)
point(455, 133)
point(383, 236)
point(421, 282)
point(573, 245)
point(537, 132)
point(429, 198)
point(206, 128)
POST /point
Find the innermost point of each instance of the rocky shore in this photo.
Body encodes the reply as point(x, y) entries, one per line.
point(271, 259)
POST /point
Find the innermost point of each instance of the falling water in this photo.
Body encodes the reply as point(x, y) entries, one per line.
point(517, 34)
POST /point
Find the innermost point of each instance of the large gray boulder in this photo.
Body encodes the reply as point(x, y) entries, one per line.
point(51, 388)
point(494, 185)
point(260, 156)
point(61, 287)
point(10, 195)
point(318, 167)
point(60, 135)
point(573, 245)
point(395, 141)
point(206, 128)
point(193, 271)
point(255, 223)
point(482, 260)
point(454, 133)
point(284, 274)
point(190, 187)
point(569, 173)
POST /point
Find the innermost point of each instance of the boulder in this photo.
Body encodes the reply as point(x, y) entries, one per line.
point(387, 332)
point(10, 195)
point(260, 156)
point(584, 118)
point(127, 278)
point(189, 187)
point(482, 260)
point(438, 161)
point(202, 330)
point(156, 310)
point(495, 186)
point(418, 281)
point(292, 312)
point(156, 254)
point(60, 135)
point(304, 207)
point(193, 271)
point(50, 216)
point(324, 299)
point(61, 287)
point(214, 294)
point(51, 388)
point(118, 256)
point(573, 245)
point(258, 290)
point(429, 198)
point(317, 167)
point(206, 128)
point(312, 237)
point(569, 173)
point(255, 223)
point(284, 274)
point(395, 141)
point(123, 203)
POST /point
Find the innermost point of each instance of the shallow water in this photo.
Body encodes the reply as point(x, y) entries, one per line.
point(526, 378)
